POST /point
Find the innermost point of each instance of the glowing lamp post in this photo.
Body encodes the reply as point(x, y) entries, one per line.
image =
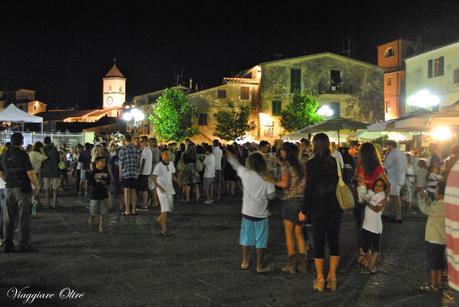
point(325, 111)
point(423, 99)
point(133, 115)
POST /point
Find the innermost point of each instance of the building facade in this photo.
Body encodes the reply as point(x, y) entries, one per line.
point(352, 88)
point(391, 57)
point(436, 71)
point(32, 107)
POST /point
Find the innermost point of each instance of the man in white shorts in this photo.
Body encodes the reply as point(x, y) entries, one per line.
point(396, 168)
point(163, 174)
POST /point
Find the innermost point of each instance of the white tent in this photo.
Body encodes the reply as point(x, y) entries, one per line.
point(13, 114)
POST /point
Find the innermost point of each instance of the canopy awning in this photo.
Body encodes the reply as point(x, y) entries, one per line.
point(14, 114)
point(334, 124)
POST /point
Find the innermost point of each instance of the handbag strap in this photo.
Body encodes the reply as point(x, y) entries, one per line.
point(340, 174)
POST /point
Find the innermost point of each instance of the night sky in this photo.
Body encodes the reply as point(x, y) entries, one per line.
point(63, 48)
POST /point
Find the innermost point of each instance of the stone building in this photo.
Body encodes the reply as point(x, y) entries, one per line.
point(352, 88)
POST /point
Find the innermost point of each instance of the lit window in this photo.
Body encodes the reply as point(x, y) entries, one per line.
point(388, 108)
point(245, 93)
point(389, 52)
point(439, 66)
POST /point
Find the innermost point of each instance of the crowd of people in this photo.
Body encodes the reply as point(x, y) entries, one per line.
point(303, 175)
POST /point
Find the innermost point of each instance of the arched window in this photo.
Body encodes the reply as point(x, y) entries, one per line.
point(389, 52)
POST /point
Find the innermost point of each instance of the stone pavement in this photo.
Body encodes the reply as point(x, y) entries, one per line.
point(198, 265)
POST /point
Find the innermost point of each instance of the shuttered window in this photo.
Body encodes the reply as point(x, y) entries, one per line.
point(276, 107)
point(202, 121)
point(245, 93)
point(295, 80)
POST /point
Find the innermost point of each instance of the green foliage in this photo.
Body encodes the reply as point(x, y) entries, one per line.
point(300, 112)
point(233, 122)
point(172, 116)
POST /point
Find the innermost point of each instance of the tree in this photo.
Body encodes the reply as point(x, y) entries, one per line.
point(300, 112)
point(172, 116)
point(233, 122)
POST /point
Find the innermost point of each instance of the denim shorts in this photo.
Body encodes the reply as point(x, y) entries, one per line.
point(254, 233)
point(291, 208)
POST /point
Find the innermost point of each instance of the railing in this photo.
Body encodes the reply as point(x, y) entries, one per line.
point(69, 139)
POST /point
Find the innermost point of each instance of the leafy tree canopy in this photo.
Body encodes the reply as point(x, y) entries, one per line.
point(172, 116)
point(300, 112)
point(233, 122)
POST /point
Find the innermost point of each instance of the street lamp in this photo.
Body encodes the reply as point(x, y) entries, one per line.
point(325, 110)
point(423, 99)
point(132, 114)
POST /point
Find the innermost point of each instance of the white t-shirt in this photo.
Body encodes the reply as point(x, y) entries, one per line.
point(372, 221)
point(163, 175)
point(148, 157)
point(209, 163)
point(218, 154)
point(255, 191)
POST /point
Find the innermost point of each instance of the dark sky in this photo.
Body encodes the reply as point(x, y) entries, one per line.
point(63, 48)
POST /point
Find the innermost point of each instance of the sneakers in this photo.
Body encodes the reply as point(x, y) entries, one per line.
point(208, 202)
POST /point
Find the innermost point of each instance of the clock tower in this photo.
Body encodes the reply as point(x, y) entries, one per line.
point(114, 88)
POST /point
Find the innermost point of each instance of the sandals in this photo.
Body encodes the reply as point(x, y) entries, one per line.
point(429, 288)
point(319, 285)
point(368, 271)
point(245, 267)
point(265, 269)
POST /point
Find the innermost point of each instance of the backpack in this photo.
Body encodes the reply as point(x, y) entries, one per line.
point(198, 164)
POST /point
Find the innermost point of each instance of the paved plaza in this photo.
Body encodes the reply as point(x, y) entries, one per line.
point(198, 265)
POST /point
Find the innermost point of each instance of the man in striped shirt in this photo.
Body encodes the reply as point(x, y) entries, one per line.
point(452, 227)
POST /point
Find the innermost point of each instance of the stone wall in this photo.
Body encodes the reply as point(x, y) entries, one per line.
point(360, 95)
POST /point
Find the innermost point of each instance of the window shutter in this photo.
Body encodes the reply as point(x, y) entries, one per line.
point(429, 68)
point(442, 66)
point(295, 80)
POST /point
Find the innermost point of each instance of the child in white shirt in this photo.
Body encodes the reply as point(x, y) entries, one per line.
point(372, 224)
point(256, 192)
point(163, 174)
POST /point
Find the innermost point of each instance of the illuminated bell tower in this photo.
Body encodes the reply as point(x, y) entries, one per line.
point(114, 88)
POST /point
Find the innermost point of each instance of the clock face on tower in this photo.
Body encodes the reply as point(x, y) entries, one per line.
point(109, 100)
